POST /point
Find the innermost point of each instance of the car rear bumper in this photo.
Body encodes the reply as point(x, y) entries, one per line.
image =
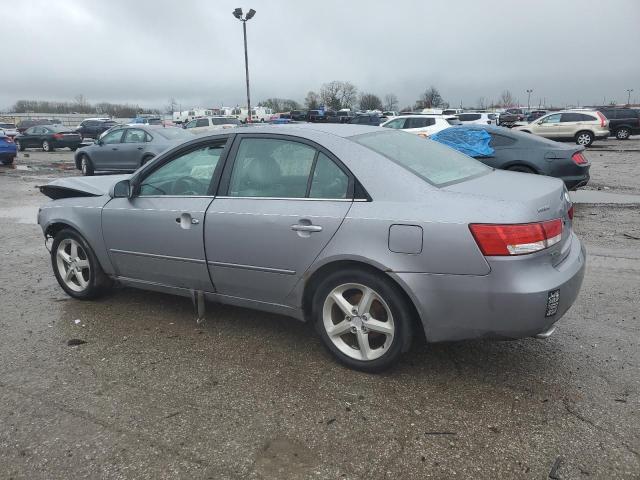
point(67, 143)
point(510, 302)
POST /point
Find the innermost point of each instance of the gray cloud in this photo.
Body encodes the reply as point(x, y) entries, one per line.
point(146, 51)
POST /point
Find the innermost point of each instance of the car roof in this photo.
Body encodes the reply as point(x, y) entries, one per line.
point(343, 130)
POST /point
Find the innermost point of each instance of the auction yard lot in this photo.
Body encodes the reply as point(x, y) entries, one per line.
point(151, 394)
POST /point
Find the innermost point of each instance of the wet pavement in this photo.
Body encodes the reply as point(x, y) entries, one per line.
point(151, 394)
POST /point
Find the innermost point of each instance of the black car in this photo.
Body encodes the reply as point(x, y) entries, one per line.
point(368, 119)
point(48, 137)
point(93, 128)
point(519, 152)
point(298, 115)
point(25, 124)
point(623, 122)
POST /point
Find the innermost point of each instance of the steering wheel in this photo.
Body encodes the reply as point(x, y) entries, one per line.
point(189, 186)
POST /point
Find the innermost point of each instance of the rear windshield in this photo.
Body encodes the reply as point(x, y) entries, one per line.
point(467, 117)
point(435, 163)
point(454, 121)
point(172, 133)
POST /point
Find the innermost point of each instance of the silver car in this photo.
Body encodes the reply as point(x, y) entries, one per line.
point(376, 236)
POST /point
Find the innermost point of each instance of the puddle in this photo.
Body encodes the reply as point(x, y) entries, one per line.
point(21, 214)
point(598, 196)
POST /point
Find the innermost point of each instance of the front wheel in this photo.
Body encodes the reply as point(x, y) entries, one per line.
point(584, 138)
point(76, 267)
point(86, 166)
point(623, 133)
point(47, 146)
point(8, 161)
point(363, 319)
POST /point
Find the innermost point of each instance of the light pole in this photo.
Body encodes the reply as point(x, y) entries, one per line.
point(238, 14)
point(629, 90)
point(529, 92)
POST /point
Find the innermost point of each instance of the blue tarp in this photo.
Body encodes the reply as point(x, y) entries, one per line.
point(470, 141)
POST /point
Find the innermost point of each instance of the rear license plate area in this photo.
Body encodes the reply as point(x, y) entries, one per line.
point(553, 300)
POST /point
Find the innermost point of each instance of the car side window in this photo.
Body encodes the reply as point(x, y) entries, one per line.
point(328, 181)
point(555, 118)
point(134, 135)
point(191, 124)
point(203, 122)
point(501, 141)
point(266, 167)
point(112, 137)
point(189, 174)
point(396, 123)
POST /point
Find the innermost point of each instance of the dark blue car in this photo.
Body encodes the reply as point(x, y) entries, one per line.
point(8, 150)
point(506, 149)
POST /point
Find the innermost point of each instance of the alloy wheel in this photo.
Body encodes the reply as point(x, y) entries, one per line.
point(45, 146)
point(73, 265)
point(622, 134)
point(358, 321)
point(83, 165)
point(584, 139)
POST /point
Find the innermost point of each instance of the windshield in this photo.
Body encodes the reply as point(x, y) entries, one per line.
point(172, 133)
point(433, 162)
point(7, 125)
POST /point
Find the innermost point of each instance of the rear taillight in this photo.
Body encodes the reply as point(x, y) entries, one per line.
point(516, 239)
point(58, 136)
point(8, 139)
point(579, 159)
point(603, 119)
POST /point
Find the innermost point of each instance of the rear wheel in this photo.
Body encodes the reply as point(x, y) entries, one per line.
point(521, 168)
point(8, 161)
point(19, 146)
point(363, 319)
point(47, 146)
point(584, 138)
point(76, 267)
point(86, 166)
point(623, 133)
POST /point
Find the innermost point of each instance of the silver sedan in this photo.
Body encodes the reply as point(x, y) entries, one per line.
point(375, 236)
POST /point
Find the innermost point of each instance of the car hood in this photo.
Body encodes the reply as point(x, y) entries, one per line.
point(81, 186)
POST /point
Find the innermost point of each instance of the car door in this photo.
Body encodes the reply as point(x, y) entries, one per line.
point(105, 154)
point(157, 235)
point(28, 137)
point(132, 148)
point(280, 202)
point(548, 126)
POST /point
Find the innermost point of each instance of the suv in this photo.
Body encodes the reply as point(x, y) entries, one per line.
point(477, 118)
point(582, 126)
point(421, 125)
point(372, 119)
point(94, 127)
point(623, 122)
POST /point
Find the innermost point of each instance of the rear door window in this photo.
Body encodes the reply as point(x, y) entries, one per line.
point(501, 141)
point(555, 118)
point(328, 180)
point(135, 135)
point(202, 122)
point(396, 123)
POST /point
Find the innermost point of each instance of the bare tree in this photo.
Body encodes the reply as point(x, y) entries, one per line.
point(482, 103)
point(312, 100)
point(330, 94)
point(171, 105)
point(390, 101)
point(506, 99)
point(369, 101)
point(279, 104)
point(348, 95)
point(431, 98)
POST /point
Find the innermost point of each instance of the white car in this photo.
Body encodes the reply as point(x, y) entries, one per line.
point(207, 124)
point(479, 118)
point(423, 125)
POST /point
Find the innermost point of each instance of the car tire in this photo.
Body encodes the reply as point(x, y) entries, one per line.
point(76, 267)
point(86, 166)
point(623, 133)
point(379, 347)
point(47, 147)
point(521, 168)
point(73, 149)
point(584, 138)
point(8, 161)
point(19, 146)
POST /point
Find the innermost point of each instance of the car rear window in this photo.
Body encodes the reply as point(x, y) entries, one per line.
point(454, 121)
point(435, 163)
point(468, 117)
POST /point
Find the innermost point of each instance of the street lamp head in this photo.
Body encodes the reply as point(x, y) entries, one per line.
point(250, 14)
point(238, 13)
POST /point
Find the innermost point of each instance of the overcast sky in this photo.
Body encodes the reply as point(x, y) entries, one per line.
point(146, 51)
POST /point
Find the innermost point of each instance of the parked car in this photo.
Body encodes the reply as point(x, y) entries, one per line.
point(93, 127)
point(9, 129)
point(519, 112)
point(8, 150)
point(507, 149)
point(298, 115)
point(477, 118)
point(372, 119)
point(390, 113)
point(581, 126)
point(25, 124)
point(208, 124)
point(48, 137)
point(145, 121)
point(406, 237)
point(126, 148)
point(623, 122)
point(314, 116)
point(535, 114)
point(345, 116)
point(423, 125)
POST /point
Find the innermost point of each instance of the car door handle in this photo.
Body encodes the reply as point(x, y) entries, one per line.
point(114, 148)
point(306, 228)
point(186, 220)
point(140, 148)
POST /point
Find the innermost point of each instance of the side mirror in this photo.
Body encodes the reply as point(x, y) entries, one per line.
point(99, 142)
point(122, 189)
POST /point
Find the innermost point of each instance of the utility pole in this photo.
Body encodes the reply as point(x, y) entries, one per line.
point(238, 14)
point(529, 92)
point(629, 90)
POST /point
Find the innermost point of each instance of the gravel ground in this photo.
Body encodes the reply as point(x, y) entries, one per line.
point(151, 394)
